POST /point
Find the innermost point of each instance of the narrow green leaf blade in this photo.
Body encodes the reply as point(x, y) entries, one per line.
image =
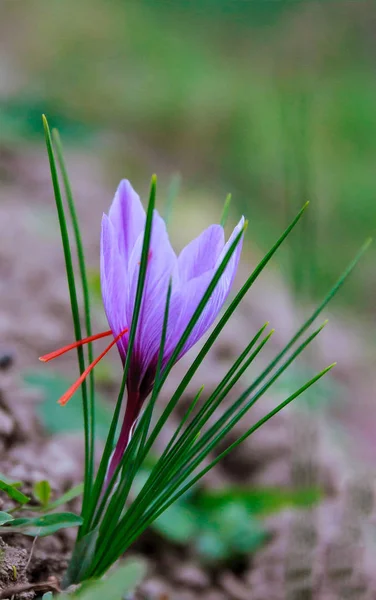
point(14, 493)
point(226, 209)
point(74, 306)
point(43, 526)
point(74, 492)
point(116, 585)
point(85, 290)
point(42, 491)
point(5, 517)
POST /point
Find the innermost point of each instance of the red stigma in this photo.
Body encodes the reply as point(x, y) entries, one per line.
point(69, 393)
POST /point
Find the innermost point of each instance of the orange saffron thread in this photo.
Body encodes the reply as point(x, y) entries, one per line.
point(69, 393)
point(65, 349)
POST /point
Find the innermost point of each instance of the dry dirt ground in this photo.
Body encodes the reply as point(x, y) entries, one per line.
point(326, 552)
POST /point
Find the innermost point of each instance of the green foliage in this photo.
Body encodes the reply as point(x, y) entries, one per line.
point(42, 492)
point(91, 412)
point(228, 532)
point(226, 209)
point(218, 534)
point(5, 517)
point(259, 501)
point(74, 492)
point(42, 526)
point(88, 407)
point(116, 585)
point(12, 491)
point(10, 481)
point(221, 524)
point(179, 523)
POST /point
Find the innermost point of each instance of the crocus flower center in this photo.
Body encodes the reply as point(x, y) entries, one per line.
point(73, 388)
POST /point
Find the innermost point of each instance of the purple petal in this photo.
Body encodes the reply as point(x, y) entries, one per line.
point(201, 254)
point(234, 260)
point(162, 265)
point(194, 290)
point(113, 282)
point(127, 217)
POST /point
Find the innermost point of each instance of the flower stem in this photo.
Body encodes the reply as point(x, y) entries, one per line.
point(131, 414)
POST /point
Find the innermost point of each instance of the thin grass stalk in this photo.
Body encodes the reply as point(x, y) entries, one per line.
point(121, 493)
point(216, 427)
point(244, 436)
point(318, 310)
point(119, 546)
point(169, 461)
point(226, 210)
point(74, 307)
point(85, 291)
point(217, 390)
point(190, 459)
point(124, 464)
point(217, 330)
point(196, 316)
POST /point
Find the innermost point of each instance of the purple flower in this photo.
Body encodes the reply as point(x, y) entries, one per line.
point(191, 273)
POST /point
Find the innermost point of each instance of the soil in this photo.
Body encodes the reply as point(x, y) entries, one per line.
point(324, 552)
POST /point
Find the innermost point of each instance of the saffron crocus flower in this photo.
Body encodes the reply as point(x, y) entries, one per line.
point(191, 273)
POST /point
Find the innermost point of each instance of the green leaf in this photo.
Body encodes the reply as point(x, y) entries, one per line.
point(259, 501)
point(42, 492)
point(57, 419)
point(178, 523)
point(87, 403)
point(86, 300)
point(81, 559)
point(47, 596)
point(229, 530)
point(42, 526)
point(74, 492)
point(14, 493)
point(210, 546)
point(5, 518)
point(226, 209)
point(10, 481)
point(118, 583)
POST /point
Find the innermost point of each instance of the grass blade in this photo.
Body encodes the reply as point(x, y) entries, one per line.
point(85, 289)
point(119, 543)
point(74, 306)
point(120, 496)
point(217, 330)
point(226, 209)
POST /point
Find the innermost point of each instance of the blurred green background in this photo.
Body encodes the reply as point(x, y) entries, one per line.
point(271, 100)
